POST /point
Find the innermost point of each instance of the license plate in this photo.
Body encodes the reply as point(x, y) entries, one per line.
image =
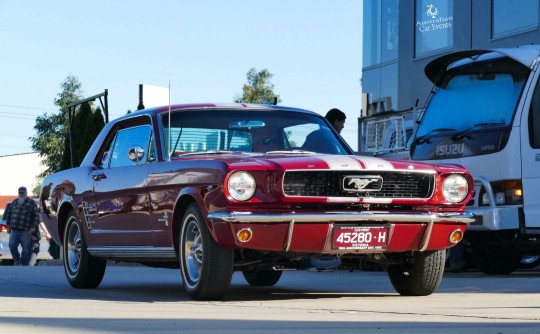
point(360, 237)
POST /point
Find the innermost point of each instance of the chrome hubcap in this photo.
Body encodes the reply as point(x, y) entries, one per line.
point(193, 250)
point(73, 248)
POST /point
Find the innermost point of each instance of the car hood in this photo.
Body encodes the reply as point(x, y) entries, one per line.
point(332, 162)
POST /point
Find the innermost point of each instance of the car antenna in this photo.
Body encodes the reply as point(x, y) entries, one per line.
point(170, 127)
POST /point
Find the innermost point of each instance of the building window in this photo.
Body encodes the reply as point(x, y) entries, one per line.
point(380, 31)
point(434, 26)
point(512, 17)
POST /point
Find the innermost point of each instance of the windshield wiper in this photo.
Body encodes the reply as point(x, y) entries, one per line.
point(291, 152)
point(425, 138)
point(465, 133)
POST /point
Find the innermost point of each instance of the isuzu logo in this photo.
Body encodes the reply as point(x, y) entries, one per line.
point(362, 183)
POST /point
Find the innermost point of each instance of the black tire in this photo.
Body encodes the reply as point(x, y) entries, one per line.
point(206, 268)
point(83, 271)
point(420, 275)
point(8, 262)
point(262, 277)
point(496, 259)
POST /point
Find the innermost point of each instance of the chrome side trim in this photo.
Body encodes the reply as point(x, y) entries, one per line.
point(142, 252)
point(248, 217)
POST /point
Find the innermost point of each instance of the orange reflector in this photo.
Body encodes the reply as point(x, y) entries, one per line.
point(518, 192)
point(456, 236)
point(244, 235)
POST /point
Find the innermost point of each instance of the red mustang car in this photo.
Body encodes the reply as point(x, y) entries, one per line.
point(260, 189)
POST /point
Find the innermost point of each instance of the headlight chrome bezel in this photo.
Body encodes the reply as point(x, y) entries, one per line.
point(241, 186)
point(455, 188)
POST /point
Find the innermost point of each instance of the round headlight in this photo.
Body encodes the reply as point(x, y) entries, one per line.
point(241, 186)
point(455, 188)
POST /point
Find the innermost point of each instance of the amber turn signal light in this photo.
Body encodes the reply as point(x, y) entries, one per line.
point(456, 236)
point(244, 235)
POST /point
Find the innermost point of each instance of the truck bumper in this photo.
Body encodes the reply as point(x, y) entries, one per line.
point(313, 232)
point(492, 217)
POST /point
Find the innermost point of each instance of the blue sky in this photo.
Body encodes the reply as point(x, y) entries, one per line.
point(313, 48)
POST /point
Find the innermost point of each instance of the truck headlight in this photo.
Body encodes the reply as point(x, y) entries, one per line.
point(241, 186)
point(455, 188)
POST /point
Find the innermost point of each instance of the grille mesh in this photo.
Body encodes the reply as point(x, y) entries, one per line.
point(329, 184)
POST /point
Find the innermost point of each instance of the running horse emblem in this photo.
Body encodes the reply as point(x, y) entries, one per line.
point(360, 184)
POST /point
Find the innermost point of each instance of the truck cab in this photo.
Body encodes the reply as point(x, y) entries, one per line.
point(484, 114)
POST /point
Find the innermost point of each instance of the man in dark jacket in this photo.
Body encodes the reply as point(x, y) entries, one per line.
point(22, 219)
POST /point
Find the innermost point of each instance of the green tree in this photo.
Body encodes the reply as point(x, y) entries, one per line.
point(258, 89)
point(52, 129)
point(87, 123)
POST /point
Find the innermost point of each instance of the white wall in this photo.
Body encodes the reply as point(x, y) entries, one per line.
point(19, 170)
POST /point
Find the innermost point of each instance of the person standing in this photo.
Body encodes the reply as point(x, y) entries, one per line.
point(22, 219)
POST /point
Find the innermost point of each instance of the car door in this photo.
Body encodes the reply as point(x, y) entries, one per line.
point(118, 208)
point(530, 159)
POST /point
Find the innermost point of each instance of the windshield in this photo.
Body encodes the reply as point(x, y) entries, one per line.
point(259, 131)
point(481, 93)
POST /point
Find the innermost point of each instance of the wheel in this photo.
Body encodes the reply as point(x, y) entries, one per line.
point(83, 271)
point(262, 277)
point(496, 259)
point(206, 268)
point(529, 262)
point(7, 262)
point(420, 275)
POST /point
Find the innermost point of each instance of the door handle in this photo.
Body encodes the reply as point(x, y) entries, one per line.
point(98, 176)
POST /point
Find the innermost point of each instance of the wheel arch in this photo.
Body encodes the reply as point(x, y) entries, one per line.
point(65, 208)
point(183, 201)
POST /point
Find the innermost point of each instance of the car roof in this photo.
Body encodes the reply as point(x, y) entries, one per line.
point(527, 55)
point(216, 106)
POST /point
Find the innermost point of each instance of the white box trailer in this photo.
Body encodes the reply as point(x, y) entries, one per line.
point(484, 114)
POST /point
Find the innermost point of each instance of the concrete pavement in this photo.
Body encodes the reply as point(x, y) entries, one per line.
point(146, 300)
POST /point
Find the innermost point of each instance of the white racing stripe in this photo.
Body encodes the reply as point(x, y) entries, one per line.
point(341, 162)
point(376, 163)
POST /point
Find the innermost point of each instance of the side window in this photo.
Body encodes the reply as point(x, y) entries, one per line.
point(534, 119)
point(126, 139)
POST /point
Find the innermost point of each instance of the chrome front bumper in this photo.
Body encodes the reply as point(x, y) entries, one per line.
point(249, 217)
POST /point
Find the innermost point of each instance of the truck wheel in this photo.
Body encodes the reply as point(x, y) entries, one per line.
point(83, 271)
point(420, 275)
point(261, 277)
point(206, 268)
point(497, 259)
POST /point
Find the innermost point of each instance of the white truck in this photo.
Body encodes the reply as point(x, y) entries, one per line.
point(484, 114)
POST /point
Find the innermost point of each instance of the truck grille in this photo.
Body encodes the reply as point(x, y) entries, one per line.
point(331, 184)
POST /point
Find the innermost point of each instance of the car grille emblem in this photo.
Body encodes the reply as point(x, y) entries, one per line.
point(362, 183)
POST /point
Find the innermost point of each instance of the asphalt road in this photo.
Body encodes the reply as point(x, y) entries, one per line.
point(146, 300)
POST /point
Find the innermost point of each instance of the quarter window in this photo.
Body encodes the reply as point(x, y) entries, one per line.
point(126, 139)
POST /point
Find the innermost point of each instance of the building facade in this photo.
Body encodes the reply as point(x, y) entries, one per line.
point(401, 37)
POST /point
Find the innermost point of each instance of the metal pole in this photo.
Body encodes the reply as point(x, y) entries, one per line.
point(106, 106)
point(71, 135)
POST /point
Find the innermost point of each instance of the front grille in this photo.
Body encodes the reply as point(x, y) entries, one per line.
point(330, 184)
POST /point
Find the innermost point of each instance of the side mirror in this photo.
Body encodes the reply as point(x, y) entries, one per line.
point(136, 154)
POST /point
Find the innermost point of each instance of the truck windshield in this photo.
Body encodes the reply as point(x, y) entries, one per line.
point(481, 93)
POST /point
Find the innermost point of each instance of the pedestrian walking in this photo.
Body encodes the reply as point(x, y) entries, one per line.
point(22, 219)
